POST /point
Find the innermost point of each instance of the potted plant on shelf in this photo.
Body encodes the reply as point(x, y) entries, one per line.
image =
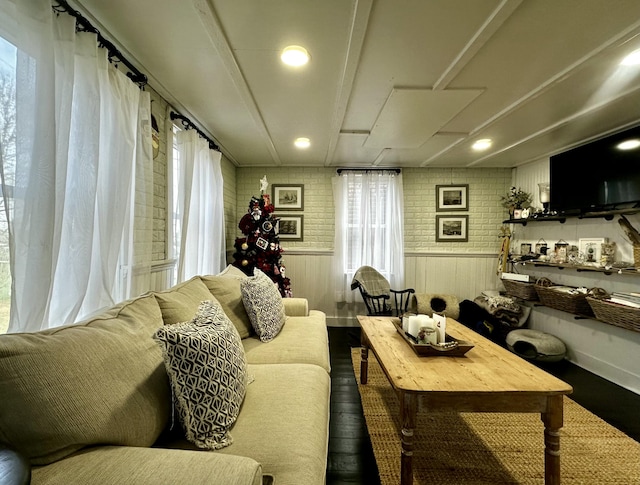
point(516, 200)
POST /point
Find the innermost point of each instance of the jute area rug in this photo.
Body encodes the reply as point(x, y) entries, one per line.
point(493, 448)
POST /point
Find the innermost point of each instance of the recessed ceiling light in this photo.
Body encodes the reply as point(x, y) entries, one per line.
point(632, 59)
point(482, 144)
point(302, 142)
point(294, 55)
point(628, 144)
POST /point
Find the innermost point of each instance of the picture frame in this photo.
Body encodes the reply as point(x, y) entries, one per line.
point(290, 227)
point(591, 249)
point(288, 197)
point(452, 198)
point(452, 228)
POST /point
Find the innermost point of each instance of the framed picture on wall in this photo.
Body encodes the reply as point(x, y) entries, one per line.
point(452, 228)
point(288, 197)
point(452, 198)
point(290, 228)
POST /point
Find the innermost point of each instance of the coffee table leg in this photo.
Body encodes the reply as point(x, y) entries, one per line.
point(408, 412)
point(364, 364)
point(553, 420)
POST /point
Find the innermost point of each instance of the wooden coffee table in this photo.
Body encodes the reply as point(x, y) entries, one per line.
point(488, 378)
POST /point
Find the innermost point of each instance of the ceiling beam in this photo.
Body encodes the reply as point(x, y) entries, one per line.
point(360, 21)
point(477, 42)
point(215, 32)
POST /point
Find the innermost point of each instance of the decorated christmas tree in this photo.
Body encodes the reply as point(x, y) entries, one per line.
point(260, 247)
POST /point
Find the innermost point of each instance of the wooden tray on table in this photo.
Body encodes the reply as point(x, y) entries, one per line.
point(428, 350)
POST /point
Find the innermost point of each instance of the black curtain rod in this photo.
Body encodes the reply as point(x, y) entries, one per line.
point(367, 170)
point(188, 125)
point(83, 25)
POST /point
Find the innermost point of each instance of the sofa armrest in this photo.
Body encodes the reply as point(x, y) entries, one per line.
point(14, 467)
point(296, 307)
point(106, 465)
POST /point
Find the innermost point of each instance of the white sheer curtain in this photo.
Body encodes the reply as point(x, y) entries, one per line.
point(78, 122)
point(369, 227)
point(200, 207)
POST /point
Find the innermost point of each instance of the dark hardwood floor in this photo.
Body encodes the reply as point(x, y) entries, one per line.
point(351, 459)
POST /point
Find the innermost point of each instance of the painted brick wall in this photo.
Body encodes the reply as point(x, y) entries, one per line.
point(230, 204)
point(159, 248)
point(318, 210)
point(486, 186)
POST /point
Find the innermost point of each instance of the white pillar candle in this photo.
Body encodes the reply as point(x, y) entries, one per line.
point(414, 325)
point(405, 323)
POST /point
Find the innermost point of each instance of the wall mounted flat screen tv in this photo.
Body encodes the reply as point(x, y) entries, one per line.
point(598, 176)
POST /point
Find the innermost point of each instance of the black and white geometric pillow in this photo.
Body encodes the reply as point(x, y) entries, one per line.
point(207, 369)
point(264, 305)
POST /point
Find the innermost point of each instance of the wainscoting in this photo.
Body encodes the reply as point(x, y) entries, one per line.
point(464, 275)
point(162, 275)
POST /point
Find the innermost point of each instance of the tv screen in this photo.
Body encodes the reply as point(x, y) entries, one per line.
point(598, 176)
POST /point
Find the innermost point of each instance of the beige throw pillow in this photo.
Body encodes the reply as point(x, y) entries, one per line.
point(100, 382)
point(226, 289)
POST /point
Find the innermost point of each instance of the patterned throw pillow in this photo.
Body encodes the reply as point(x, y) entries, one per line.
point(206, 365)
point(264, 305)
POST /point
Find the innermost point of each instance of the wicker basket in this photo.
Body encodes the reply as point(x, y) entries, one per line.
point(566, 302)
point(615, 314)
point(520, 289)
point(636, 256)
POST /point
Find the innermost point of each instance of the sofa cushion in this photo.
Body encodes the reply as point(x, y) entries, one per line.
point(226, 289)
point(205, 362)
point(233, 272)
point(264, 305)
point(180, 303)
point(284, 423)
point(302, 340)
point(109, 465)
point(98, 382)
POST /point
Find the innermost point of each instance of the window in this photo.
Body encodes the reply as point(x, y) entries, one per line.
point(174, 214)
point(70, 195)
point(369, 227)
point(7, 160)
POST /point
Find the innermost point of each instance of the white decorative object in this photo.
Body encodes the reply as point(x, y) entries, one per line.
point(263, 185)
point(441, 324)
point(428, 331)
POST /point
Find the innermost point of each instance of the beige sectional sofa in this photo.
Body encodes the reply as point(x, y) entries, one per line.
point(92, 402)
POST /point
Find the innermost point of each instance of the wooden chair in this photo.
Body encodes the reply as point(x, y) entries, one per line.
point(376, 293)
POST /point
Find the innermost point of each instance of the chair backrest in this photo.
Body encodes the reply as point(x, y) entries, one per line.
point(402, 299)
point(376, 304)
point(376, 293)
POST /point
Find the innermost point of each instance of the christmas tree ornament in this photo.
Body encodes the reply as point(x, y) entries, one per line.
point(262, 243)
point(245, 262)
point(267, 226)
point(244, 246)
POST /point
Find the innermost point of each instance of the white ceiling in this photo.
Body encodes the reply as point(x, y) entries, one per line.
point(409, 83)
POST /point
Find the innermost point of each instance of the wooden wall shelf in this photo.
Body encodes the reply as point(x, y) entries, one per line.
point(608, 271)
point(607, 215)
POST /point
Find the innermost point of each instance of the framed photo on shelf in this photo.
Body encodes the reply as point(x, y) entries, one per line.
point(290, 227)
point(452, 198)
point(591, 249)
point(288, 197)
point(452, 228)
